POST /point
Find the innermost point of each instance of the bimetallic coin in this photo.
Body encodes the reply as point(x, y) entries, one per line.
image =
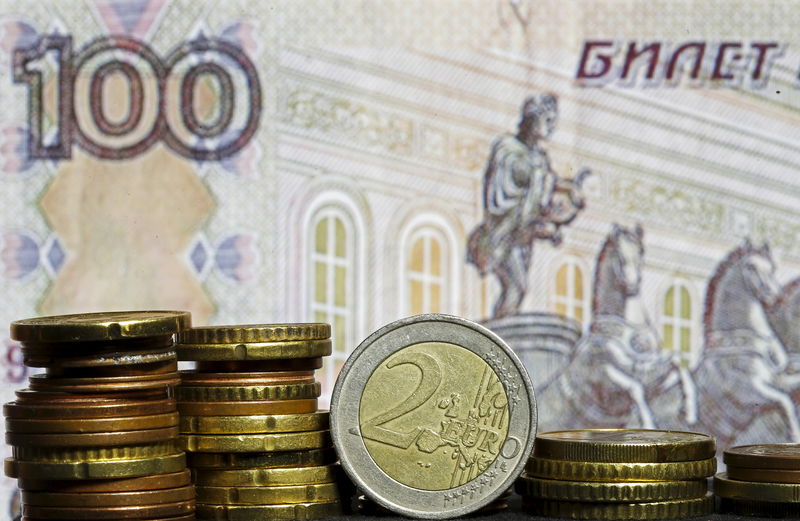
point(89, 408)
point(286, 441)
point(304, 458)
point(94, 469)
point(254, 333)
point(766, 456)
point(108, 499)
point(67, 454)
point(143, 512)
point(632, 492)
point(763, 475)
point(442, 402)
point(624, 446)
point(297, 511)
point(92, 439)
point(262, 477)
point(88, 327)
point(254, 351)
point(248, 392)
point(623, 511)
point(247, 408)
point(315, 421)
point(775, 492)
point(620, 472)
point(95, 425)
point(281, 495)
point(154, 482)
point(755, 508)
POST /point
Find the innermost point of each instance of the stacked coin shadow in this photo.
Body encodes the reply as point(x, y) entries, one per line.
point(257, 445)
point(760, 481)
point(365, 506)
point(619, 474)
point(96, 435)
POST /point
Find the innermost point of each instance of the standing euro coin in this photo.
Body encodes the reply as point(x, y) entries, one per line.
point(433, 416)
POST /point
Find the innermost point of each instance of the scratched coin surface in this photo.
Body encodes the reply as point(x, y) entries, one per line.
point(433, 416)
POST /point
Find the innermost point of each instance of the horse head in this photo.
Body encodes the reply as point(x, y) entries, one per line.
point(618, 272)
point(743, 280)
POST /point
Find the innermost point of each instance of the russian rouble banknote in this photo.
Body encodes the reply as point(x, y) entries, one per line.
point(611, 186)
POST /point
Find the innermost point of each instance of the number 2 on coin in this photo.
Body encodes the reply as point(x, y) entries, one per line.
point(431, 378)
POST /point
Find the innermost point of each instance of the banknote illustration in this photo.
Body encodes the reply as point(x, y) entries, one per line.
point(610, 186)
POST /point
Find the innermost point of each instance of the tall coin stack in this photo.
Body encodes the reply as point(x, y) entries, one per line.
point(96, 436)
point(619, 474)
point(761, 480)
point(258, 447)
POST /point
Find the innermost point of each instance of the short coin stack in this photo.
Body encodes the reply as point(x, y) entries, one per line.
point(619, 474)
point(96, 436)
point(258, 447)
point(761, 480)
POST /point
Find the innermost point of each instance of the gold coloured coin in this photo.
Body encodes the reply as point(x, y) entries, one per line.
point(67, 454)
point(89, 327)
point(87, 409)
point(207, 378)
point(93, 425)
point(254, 351)
point(63, 352)
point(775, 492)
point(247, 408)
point(108, 499)
point(763, 475)
point(287, 441)
point(765, 456)
point(254, 333)
point(745, 507)
point(157, 359)
point(280, 495)
point(94, 469)
point(624, 446)
point(263, 366)
point(315, 421)
point(292, 512)
point(627, 511)
point(620, 472)
point(632, 492)
point(304, 458)
point(249, 392)
point(153, 482)
point(262, 477)
point(91, 439)
point(143, 512)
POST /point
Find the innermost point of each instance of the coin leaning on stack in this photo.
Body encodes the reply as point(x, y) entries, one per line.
point(96, 435)
point(258, 447)
point(619, 474)
point(761, 480)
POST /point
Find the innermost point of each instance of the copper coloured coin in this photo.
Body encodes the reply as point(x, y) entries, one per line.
point(108, 499)
point(34, 397)
point(764, 456)
point(92, 425)
point(104, 384)
point(266, 366)
point(87, 409)
point(96, 439)
point(169, 366)
point(164, 510)
point(247, 408)
point(110, 359)
point(152, 482)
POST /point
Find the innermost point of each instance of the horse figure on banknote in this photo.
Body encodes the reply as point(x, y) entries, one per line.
point(743, 373)
point(618, 366)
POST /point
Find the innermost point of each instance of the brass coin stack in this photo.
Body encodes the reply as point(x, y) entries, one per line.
point(258, 447)
point(761, 480)
point(96, 436)
point(619, 474)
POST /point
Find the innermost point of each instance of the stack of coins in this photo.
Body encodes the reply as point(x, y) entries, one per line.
point(619, 474)
point(258, 447)
point(96, 435)
point(761, 480)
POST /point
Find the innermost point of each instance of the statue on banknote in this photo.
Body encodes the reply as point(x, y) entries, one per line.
point(523, 200)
